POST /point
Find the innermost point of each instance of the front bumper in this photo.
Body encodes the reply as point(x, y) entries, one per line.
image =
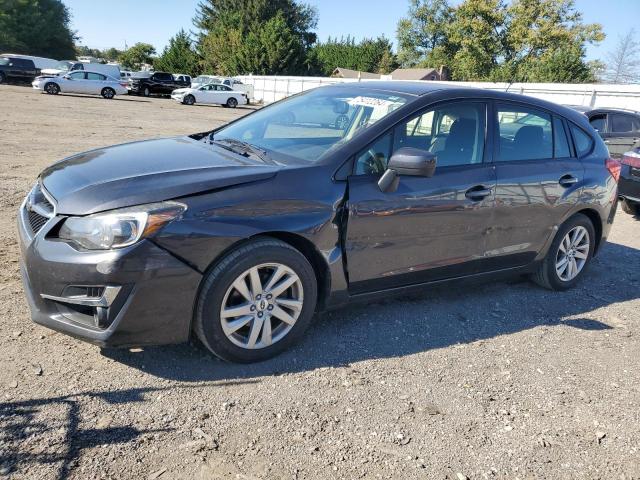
point(154, 295)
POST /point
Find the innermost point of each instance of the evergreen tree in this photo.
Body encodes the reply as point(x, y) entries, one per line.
point(179, 56)
point(36, 27)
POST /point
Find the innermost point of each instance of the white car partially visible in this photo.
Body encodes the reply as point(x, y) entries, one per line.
point(212, 94)
point(82, 81)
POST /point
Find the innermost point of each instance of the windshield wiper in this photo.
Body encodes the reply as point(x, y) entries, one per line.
point(243, 148)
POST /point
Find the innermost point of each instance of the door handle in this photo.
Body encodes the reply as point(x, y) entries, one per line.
point(567, 180)
point(477, 193)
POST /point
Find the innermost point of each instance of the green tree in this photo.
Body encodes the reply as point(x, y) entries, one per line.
point(36, 27)
point(525, 40)
point(255, 36)
point(137, 55)
point(179, 56)
point(369, 55)
point(423, 33)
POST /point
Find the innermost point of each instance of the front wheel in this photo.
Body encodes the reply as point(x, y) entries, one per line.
point(569, 255)
point(108, 93)
point(146, 92)
point(256, 302)
point(189, 100)
point(52, 88)
point(232, 102)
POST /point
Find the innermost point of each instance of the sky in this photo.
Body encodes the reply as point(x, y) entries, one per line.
point(155, 21)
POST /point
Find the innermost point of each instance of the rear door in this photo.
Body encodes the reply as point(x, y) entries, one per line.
point(623, 133)
point(539, 180)
point(95, 82)
point(429, 228)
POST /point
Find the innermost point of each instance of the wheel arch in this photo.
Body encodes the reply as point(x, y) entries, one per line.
point(596, 221)
point(301, 244)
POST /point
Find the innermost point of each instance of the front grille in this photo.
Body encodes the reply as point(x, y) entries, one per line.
point(38, 208)
point(36, 221)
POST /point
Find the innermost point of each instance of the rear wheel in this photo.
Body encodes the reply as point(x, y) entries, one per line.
point(569, 255)
point(189, 100)
point(108, 93)
point(146, 92)
point(630, 207)
point(52, 88)
point(256, 302)
point(232, 102)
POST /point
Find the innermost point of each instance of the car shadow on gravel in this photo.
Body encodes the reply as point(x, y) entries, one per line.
point(438, 318)
point(20, 421)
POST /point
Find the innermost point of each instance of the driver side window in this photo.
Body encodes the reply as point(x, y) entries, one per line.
point(453, 132)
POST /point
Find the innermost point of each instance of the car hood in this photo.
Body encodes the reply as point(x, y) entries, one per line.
point(146, 172)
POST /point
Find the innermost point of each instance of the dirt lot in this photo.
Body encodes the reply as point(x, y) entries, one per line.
point(504, 380)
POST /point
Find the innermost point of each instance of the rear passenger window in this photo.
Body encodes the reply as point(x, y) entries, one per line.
point(583, 142)
point(525, 134)
point(95, 76)
point(560, 141)
point(621, 123)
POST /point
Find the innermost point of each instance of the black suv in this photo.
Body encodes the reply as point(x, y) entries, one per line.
point(620, 129)
point(147, 83)
point(17, 70)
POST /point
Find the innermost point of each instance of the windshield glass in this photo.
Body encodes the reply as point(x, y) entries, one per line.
point(141, 74)
point(64, 66)
point(308, 126)
point(203, 79)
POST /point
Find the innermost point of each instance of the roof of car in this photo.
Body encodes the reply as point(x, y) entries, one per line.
point(419, 88)
point(612, 110)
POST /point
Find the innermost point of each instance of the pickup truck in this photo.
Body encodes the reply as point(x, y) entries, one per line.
point(156, 83)
point(17, 70)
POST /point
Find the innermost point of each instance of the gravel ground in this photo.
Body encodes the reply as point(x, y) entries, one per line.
point(501, 380)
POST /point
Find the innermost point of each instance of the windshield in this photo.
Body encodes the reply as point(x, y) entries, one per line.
point(64, 66)
point(141, 74)
point(308, 126)
point(203, 79)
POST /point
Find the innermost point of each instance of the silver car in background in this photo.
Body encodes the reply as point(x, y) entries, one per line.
point(81, 81)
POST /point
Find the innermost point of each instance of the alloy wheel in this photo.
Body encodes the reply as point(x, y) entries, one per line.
point(261, 306)
point(573, 253)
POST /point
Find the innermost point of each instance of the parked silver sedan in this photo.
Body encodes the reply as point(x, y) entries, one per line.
point(91, 83)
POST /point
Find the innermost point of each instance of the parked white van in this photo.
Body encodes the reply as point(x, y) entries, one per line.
point(66, 66)
point(39, 62)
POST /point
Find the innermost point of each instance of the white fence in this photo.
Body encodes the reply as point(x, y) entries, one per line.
point(271, 88)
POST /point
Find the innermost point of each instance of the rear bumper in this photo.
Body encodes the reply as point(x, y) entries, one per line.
point(629, 183)
point(155, 291)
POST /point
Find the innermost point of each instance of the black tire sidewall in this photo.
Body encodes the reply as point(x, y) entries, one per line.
point(189, 100)
point(218, 281)
point(107, 89)
point(232, 102)
point(3, 78)
point(630, 207)
point(56, 88)
point(550, 260)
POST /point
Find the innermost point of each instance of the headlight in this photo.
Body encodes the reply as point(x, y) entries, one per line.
point(119, 228)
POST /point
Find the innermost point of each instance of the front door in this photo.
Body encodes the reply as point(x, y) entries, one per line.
point(539, 180)
point(429, 228)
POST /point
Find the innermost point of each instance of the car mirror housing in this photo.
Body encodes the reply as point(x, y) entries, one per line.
point(407, 161)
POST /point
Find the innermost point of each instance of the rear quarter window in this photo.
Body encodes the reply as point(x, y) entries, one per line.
point(582, 140)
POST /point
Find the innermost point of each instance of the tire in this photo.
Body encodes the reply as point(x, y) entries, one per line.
point(3, 79)
point(52, 88)
point(232, 102)
point(189, 100)
point(547, 275)
point(632, 208)
point(146, 92)
point(218, 288)
point(108, 93)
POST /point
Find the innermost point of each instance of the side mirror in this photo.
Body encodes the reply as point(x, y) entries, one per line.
point(407, 161)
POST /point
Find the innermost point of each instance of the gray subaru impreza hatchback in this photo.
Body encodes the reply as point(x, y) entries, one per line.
point(351, 192)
